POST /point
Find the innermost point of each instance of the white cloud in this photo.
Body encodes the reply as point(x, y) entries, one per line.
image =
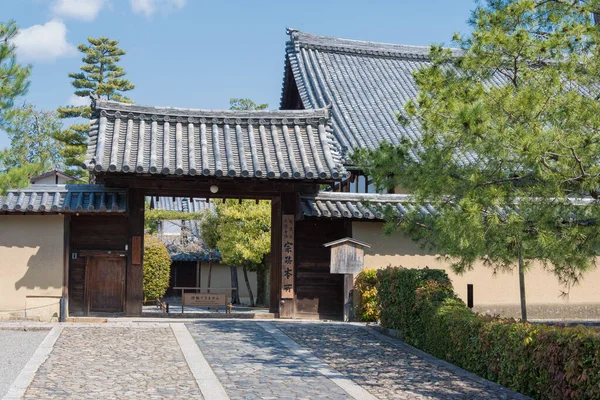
point(86, 10)
point(149, 7)
point(78, 101)
point(44, 42)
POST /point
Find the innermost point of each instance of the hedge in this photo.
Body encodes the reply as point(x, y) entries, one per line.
point(545, 362)
point(367, 309)
point(157, 268)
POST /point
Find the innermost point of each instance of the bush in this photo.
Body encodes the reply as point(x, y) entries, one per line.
point(396, 289)
point(545, 362)
point(366, 285)
point(157, 268)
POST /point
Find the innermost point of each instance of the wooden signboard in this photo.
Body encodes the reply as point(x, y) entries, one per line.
point(136, 250)
point(347, 256)
point(205, 299)
point(287, 256)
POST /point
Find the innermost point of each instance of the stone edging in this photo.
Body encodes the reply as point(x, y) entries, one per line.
point(392, 337)
point(23, 380)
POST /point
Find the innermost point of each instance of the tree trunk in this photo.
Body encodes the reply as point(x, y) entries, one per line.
point(245, 269)
point(235, 294)
point(522, 287)
point(209, 273)
point(198, 265)
point(261, 286)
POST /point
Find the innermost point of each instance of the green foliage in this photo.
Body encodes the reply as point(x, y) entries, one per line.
point(531, 138)
point(14, 77)
point(31, 133)
point(244, 231)
point(33, 149)
point(396, 289)
point(366, 285)
point(18, 177)
point(100, 77)
point(246, 104)
point(541, 361)
point(209, 229)
point(157, 268)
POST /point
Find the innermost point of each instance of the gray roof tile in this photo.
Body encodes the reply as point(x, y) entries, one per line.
point(365, 83)
point(182, 204)
point(174, 141)
point(64, 199)
point(360, 206)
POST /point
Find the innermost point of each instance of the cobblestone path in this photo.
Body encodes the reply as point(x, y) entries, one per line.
point(384, 369)
point(252, 364)
point(115, 363)
point(243, 360)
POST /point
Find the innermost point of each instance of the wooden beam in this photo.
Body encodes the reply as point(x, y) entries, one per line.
point(275, 294)
point(64, 305)
point(134, 274)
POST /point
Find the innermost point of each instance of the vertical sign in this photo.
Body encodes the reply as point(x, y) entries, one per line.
point(287, 256)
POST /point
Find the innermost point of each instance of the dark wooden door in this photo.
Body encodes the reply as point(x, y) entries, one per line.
point(318, 292)
point(105, 284)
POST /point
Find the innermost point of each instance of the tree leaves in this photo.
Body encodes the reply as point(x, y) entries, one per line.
point(510, 140)
point(100, 77)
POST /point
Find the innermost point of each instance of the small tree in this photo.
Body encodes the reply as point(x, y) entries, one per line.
point(31, 133)
point(100, 77)
point(209, 234)
point(157, 268)
point(510, 142)
point(245, 238)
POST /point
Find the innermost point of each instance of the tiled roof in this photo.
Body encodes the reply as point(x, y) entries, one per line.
point(369, 206)
point(250, 144)
point(64, 199)
point(365, 83)
point(183, 204)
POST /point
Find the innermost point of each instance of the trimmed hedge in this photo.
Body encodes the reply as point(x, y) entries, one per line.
point(367, 309)
point(157, 268)
point(545, 362)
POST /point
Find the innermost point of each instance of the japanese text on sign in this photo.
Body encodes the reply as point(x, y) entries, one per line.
point(287, 257)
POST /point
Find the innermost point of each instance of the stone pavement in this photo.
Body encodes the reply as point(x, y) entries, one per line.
point(114, 363)
point(252, 364)
point(387, 370)
point(245, 359)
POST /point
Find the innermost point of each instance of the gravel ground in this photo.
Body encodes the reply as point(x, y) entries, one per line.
point(16, 348)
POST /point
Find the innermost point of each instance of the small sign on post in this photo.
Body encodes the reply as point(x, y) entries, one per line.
point(348, 258)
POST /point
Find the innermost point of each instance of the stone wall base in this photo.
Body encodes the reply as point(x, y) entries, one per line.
point(550, 312)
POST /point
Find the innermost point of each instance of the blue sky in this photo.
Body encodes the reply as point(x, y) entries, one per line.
point(199, 54)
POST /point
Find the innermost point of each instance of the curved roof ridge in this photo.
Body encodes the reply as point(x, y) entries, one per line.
point(114, 106)
point(310, 40)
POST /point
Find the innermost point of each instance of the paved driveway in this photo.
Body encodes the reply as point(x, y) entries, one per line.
point(238, 359)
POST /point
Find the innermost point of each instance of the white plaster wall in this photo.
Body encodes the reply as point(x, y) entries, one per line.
point(221, 278)
point(31, 266)
point(491, 292)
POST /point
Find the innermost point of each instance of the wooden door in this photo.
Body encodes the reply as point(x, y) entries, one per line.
point(105, 284)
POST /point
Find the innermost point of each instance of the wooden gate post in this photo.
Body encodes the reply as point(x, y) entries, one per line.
point(275, 290)
point(135, 269)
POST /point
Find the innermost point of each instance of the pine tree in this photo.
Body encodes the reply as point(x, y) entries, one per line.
point(14, 77)
point(14, 81)
point(510, 142)
point(100, 77)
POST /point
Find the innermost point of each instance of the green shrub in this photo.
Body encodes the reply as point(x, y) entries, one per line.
point(545, 362)
point(396, 289)
point(366, 285)
point(157, 268)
